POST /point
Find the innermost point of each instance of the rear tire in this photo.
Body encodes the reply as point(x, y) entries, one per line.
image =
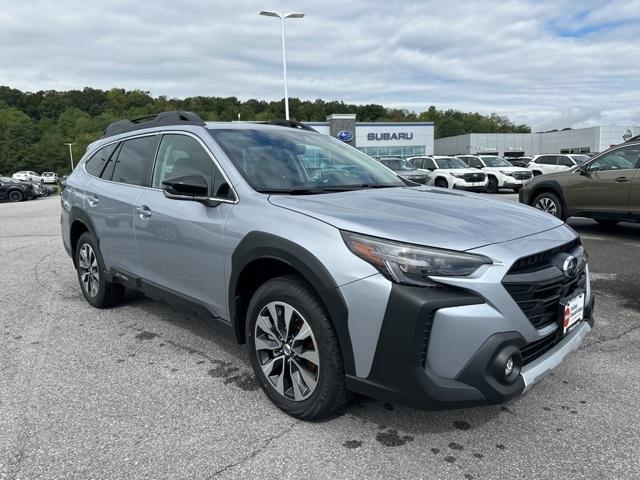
point(550, 203)
point(15, 196)
point(284, 359)
point(97, 290)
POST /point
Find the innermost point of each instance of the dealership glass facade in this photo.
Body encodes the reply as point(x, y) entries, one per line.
point(404, 151)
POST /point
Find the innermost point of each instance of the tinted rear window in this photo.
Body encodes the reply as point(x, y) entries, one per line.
point(95, 165)
point(134, 159)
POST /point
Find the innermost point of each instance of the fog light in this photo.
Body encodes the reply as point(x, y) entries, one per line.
point(508, 368)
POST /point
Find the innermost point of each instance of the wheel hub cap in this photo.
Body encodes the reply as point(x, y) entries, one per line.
point(287, 351)
point(88, 269)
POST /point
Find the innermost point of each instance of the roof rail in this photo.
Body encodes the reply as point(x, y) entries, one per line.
point(158, 120)
point(292, 124)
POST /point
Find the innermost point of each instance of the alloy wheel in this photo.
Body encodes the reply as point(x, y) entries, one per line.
point(547, 205)
point(88, 268)
point(287, 351)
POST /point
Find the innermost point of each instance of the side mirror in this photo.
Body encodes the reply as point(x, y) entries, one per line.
point(191, 187)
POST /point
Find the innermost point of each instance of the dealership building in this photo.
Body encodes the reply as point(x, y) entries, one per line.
point(379, 138)
point(579, 140)
point(417, 138)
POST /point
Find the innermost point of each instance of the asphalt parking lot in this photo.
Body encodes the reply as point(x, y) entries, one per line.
point(148, 391)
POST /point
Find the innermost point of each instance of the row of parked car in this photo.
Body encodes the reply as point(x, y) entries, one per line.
point(27, 185)
point(479, 172)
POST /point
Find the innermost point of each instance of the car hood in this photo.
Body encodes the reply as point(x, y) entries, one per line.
point(410, 173)
point(507, 169)
point(421, 215)
point(458, 170)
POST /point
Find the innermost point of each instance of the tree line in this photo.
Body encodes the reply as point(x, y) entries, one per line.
point(35, 125)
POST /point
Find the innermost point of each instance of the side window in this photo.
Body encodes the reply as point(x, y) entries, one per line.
point(180, 156)
point(475, 163)
point(621, 159)
point(466, 160)
point(417, 162)
point(95, 165)
point(133, 160)
point(429, 164)
point(565, 161)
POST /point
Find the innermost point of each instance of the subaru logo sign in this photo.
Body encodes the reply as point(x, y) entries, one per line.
point(345, 136)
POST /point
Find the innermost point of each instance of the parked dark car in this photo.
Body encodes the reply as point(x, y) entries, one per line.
point(520, 161)
point(605, 188)
point(405, 169)
point(14, 190)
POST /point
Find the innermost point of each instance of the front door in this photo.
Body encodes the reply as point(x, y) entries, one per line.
point(180, 242)
point(604, 184)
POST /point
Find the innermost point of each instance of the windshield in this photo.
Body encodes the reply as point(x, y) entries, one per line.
point(579, 159)
point(397, 164)
point(284, 160)
point(449, 162)
point(495, 162)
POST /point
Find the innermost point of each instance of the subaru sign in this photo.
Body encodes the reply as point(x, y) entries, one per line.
point(345, 136)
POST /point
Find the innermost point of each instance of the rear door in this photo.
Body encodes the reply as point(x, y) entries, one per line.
point(605, 185)
point(111, 199)
point(564, 163)
point(180, 242)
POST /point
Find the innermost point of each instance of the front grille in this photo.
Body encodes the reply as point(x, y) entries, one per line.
point(522, 175)
point(474, 177)
point(540, 300)
point(540, 260)
point(538, 348)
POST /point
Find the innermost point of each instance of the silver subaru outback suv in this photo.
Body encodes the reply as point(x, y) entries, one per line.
point(339, 275)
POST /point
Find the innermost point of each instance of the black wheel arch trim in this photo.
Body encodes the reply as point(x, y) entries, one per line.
point(76, 214)
point(258, 245)
point(546, 185)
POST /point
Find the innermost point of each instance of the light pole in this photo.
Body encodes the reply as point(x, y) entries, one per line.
point(70, 153)
point(282, 16)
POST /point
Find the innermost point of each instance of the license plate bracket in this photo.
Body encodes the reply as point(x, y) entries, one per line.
point(572, 311)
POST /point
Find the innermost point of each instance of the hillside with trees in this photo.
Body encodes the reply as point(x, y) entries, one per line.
point(35, 126)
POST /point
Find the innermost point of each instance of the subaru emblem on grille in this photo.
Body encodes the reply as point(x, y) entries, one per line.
point(570, 266)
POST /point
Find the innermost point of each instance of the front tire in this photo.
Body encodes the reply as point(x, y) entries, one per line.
point(294, 349)
point(550, 203)
point(492, 186)
point(97, 290)
point(441, 183)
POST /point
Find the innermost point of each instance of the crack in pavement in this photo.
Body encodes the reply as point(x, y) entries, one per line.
point(597, 341)
point(254, 453)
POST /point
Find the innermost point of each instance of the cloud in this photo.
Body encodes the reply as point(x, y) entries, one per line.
point(549, 64)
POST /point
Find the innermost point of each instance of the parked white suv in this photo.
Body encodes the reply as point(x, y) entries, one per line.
point(500, 173)
point(27, 176)
point(548, 163)
point(450, 172)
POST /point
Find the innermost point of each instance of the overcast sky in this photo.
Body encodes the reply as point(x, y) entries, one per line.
point(549, 64)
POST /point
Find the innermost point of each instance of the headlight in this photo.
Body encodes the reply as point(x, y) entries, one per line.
point(458, 175)
point(506, 173)
point(412, 264)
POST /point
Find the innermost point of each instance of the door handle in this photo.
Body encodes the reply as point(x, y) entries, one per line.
point(143, 212)
point(622, 179)
point(92, 200)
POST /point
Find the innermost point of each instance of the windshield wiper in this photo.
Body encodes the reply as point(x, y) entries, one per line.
point(329, 189)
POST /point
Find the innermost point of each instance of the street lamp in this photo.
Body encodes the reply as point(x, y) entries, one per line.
point(282, 16)
point(70, 153)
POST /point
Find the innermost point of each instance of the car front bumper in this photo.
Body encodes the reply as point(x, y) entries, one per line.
point(441, 347)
